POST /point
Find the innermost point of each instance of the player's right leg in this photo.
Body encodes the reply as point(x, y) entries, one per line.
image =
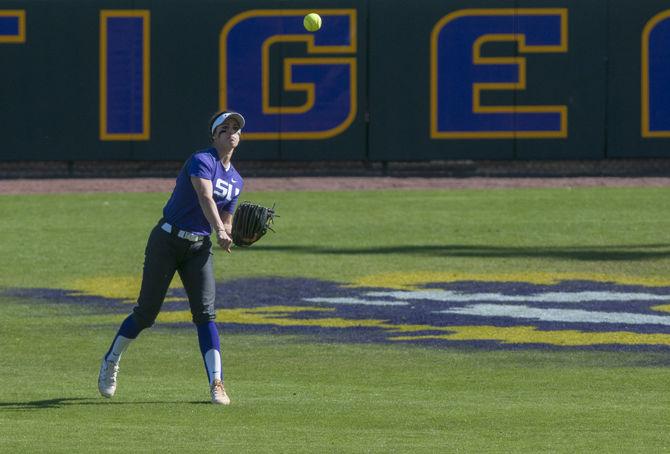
point(109, 368)
point(160, 264)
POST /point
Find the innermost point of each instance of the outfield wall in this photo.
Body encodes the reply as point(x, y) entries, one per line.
point(138, 80)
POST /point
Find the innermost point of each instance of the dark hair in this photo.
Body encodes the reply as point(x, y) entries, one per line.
point(211, 122)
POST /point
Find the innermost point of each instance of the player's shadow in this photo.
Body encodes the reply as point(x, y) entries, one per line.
point(633, 252)
point(43, 404)
point(62, 402)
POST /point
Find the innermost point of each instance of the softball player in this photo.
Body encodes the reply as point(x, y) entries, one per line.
point(204, 199)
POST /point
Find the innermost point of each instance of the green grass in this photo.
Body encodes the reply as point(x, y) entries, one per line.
point(296, 394)
point(53, 239)
point(291, 394)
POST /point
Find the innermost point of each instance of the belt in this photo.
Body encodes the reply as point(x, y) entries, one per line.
point(181, 233)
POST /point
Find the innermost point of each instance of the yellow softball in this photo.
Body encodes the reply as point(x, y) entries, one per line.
point(312, 22)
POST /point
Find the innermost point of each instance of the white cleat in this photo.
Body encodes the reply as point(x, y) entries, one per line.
point(219, 395)
point(107, 378)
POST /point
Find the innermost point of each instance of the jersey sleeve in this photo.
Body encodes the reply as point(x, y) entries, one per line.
point(201, 165)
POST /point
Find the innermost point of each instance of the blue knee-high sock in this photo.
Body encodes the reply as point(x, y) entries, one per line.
point(128, 331)
point(210, 347)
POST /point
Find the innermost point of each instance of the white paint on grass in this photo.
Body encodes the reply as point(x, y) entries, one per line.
point(345, 300)
point(548, 297)
point(557, 315)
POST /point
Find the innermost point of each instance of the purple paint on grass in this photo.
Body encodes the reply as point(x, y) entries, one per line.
point(573, 306)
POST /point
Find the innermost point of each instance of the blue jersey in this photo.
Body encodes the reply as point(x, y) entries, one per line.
point(183, 209)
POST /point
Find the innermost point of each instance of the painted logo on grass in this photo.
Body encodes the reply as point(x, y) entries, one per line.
point(569, 313)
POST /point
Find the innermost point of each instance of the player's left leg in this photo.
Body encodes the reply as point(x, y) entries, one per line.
point(208, 338)
point(197, 275)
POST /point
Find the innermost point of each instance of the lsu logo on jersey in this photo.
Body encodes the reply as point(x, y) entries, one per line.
point(321, 85)
point(460, 73)
point(226, 190)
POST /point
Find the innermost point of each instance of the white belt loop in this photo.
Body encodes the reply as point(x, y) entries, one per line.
point(167, 227)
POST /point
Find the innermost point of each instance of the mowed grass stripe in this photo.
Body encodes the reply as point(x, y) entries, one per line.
point(348, 235)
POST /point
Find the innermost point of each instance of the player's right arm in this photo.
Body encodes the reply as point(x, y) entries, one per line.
point(227, 219)
point(205, 192)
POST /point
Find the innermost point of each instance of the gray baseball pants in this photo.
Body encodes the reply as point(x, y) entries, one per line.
point(166, 253)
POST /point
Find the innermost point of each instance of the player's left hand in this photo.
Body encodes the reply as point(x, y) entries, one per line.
point(250, 222)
